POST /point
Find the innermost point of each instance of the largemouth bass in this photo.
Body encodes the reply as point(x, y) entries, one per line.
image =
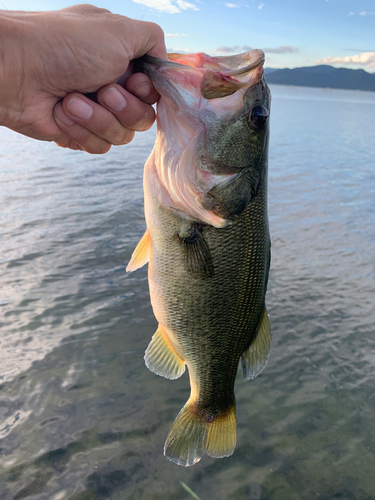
point(207, 239)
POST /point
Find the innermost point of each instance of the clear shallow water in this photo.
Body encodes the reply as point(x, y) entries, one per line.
point(81, 417)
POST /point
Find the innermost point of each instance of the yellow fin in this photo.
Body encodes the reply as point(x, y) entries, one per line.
point(254, 359)
point(195, 432)
point(222, 434)
point(161, 358)
point(141, 254)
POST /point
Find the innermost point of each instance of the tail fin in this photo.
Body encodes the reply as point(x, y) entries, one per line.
point(194, 432)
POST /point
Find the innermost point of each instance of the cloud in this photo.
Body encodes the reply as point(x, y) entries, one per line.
point(186, 5)
point(174, 35)
point(168, 6)
point(364, 59)
point(228, 50)
point(260, 7)
point(362, 13)
point(179, 50)
point(278, 50)
point(232, 5)
point(358, 50)
point(235, 48)
point(281, 50)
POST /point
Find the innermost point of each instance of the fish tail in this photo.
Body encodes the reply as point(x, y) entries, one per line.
point(195, 432)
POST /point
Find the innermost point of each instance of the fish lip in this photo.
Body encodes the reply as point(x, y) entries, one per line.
point(258, 61)
point(219, 76)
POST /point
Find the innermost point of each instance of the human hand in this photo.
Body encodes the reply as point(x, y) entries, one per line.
point(53, 58)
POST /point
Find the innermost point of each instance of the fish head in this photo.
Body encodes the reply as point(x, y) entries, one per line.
point(212, 136)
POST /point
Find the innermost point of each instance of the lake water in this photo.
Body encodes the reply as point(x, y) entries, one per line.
point(82, 418)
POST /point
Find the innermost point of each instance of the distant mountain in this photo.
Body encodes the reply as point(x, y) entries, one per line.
point(267, 71)
point(324, 76)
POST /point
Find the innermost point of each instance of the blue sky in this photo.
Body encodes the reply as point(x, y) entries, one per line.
point(293, 33)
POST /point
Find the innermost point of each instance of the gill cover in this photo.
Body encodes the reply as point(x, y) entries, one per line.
point(205, 139)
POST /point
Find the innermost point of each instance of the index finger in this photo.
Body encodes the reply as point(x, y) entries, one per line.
point(145, 38)
point(130, 111)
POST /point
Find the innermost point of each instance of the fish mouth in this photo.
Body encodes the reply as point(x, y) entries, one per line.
point(215, 76)
point(253, 58)
point(230, 66)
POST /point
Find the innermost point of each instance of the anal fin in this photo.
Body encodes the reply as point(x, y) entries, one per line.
point(161, 358)
point(141, 254)
point(254, 359)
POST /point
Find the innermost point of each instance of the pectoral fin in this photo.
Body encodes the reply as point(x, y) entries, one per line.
point(254, 359)
point(161, 358)
point(141, 254)
point(197, 253)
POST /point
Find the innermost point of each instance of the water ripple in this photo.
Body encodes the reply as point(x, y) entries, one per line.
point(81, 417)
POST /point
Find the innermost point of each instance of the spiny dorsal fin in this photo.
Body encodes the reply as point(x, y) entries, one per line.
point(161, 358)
point(254, 359)
point(141, 254)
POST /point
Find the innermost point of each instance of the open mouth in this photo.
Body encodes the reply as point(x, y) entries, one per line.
point(215, 76)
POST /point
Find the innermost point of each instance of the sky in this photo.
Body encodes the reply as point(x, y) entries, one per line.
point(293, 33)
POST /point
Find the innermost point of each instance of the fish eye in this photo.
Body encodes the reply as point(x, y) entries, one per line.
point(258, 116)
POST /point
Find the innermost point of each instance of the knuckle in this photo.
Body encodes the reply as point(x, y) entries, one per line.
point(159, 33)
point(85, 140)
point(104, 125)
point(146, 120)
point(122, 136)
point(111, 130)
point(147, 125)
point(96, 148)
point(73, 145)
point(88, 9)
point(103, 148)
point(129, 137)
point(62, 143)
point(80, 135)
point(140, 118)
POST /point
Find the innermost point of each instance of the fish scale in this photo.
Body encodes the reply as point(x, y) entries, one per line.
point(208, 247)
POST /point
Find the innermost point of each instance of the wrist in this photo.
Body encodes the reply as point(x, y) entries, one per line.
point(12, 66)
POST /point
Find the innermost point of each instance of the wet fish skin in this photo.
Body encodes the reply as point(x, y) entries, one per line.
point(208, 280)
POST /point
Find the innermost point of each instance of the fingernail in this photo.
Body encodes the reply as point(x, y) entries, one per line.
point(61, 116)
point(114, 99)
point(141, 90)
point(79, 108)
